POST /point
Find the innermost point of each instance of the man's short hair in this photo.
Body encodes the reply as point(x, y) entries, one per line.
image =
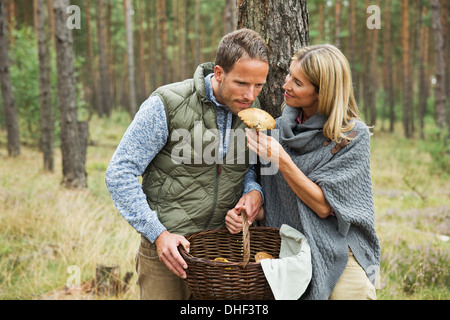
point(241, 44)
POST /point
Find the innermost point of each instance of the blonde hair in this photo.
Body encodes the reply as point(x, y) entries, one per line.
point(328, 70)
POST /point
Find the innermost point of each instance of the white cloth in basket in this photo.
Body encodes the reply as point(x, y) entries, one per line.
point(290, 275)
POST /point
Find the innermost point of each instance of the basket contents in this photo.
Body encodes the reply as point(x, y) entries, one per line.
point(262, 255)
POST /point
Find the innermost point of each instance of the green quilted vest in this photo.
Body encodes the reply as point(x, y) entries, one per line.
point(188, 190)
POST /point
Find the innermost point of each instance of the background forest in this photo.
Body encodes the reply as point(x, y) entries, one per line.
point(124, 49)
point(396, 69)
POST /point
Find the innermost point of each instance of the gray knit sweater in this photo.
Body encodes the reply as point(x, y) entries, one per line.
point(343, 173)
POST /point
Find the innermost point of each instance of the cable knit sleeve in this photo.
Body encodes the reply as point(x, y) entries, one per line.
point(346, 181)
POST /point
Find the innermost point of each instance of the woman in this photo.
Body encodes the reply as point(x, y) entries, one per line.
point(323, 185)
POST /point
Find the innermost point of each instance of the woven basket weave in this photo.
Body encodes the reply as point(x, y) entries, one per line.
point(242, 278)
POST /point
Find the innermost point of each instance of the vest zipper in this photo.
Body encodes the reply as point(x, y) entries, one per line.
point(216, 190)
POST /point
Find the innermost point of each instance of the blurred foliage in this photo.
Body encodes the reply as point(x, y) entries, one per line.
point(24, 69)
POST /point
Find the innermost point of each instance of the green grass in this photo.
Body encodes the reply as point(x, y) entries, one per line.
point(45, 229)
point(412, 205)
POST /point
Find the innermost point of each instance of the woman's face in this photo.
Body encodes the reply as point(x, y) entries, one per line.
point(299, 92)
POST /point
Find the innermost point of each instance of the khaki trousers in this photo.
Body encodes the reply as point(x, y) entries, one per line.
point(155, 280)
point(353, 284)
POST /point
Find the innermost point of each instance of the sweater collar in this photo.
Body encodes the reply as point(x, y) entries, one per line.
point(294, 134)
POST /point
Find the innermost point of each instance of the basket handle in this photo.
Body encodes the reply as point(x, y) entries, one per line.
point(245, 239)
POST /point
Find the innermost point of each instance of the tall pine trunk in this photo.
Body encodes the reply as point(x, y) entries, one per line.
point(73, 133)
point(130, 55)
point(440, 93)
point(406, 71)
point(271, 19)
point(105, 96)
point(9, 104)
point(388, 66)
point(163, 30)
point(423, 73)
point(47, 118)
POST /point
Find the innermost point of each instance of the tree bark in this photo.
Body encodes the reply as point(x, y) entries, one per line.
point(163, 23)
point(406, 74)
point(423, 72)
point(373, 75)
point(105, 98)
point(72, 146)
point(130, 51)
point(196, 48)
point(91, 82)
point(284, 25)
point(229, 16)
point(440, 98)
point(337, 19)
point(388, 67)
point(47, 118)
point(9, 104)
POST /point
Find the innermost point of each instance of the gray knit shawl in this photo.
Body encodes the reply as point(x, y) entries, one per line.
point(344, 177)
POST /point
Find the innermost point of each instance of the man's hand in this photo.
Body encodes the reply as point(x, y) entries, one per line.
point(167, 245)
point(251, 202)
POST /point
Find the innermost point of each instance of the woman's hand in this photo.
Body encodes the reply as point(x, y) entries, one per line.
point(271, 150)
point(264, 146)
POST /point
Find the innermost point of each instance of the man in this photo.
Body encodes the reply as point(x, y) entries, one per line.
point(177, 197)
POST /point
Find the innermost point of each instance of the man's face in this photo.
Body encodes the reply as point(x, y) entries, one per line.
point(239, 88)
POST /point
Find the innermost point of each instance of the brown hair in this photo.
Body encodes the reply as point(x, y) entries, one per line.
point(241, 44)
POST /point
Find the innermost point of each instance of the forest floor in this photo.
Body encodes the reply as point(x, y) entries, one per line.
point(51, 238)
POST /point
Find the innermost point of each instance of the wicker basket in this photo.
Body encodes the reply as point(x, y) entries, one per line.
point(242, 278)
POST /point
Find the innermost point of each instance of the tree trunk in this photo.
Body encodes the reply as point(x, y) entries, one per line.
point(51, 20)
point(406, 75)
point(373, 76)
point(73, 151)
point(353, 57)
point(337, 23)
point(47, 118)
point(163, 22)
point(181, 40)
point(197, 59)
point(151, 31)
point(423, 73)
point(388, 68)
point(440, 99)
point(229, 16)
point(284, 25)
point(445, 9)
point(130, 51)
point(105, 97)
point(91, 82)
point(143, 88)
point(188, 70)
point(9, 105)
